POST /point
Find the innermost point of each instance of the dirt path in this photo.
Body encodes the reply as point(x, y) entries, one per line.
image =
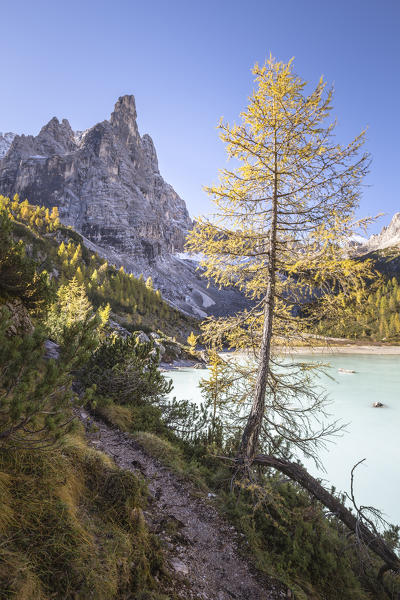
point(201, 546)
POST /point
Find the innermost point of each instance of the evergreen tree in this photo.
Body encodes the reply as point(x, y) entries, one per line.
point(94, 277)
point(192, 341)
point(61, 250)
point(18, 275)
point(77, 256)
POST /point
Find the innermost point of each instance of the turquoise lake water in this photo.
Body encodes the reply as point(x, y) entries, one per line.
point(372, 433)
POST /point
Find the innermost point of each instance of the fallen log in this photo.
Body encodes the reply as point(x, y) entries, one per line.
point(372, 540)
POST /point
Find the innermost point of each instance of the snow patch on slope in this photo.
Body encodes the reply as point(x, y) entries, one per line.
point(198, 257)
point(6, 140)
point(359, 239)
point(79, 135)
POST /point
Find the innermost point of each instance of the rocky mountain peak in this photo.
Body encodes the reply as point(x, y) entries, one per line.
point(106, 184)
point(125, 105)
point(56, 138)
point(389, 236)
point(123, 120)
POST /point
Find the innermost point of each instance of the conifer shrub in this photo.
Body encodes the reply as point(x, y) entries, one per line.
point(293, 539)
point(34, 392)
point(18, 275)
point(126, 370)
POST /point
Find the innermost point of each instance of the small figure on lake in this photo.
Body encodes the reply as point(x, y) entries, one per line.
point(377, 404)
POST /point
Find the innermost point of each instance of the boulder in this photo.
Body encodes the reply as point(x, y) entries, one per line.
point(52, 350)
point(118, 328)
point(161, 348)
point(142, 337)
point(21, 323)
point(179, 566)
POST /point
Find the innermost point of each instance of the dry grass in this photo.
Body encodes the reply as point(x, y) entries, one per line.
point(72, 527)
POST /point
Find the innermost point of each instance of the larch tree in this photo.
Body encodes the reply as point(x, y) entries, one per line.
point(285, 214)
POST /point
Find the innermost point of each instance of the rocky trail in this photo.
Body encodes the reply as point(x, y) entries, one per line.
point(202, 548)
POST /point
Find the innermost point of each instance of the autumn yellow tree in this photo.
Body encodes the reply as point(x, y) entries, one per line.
point(192, 341)
point(285, 212)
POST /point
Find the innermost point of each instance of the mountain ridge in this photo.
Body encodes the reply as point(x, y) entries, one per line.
point(388, 237)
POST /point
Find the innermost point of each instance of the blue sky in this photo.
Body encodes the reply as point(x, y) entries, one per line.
point(188, 63)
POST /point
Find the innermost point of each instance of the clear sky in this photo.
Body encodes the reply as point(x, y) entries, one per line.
point(188, 63)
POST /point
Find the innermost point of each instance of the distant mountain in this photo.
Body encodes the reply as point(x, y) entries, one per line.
point(387, 238)
point(383, 248)
point(107, 185)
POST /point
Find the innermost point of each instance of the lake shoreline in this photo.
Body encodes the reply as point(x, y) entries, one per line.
point(345, 349)
point(296, 350)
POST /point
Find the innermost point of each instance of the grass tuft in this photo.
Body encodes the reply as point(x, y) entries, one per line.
point(72, 527)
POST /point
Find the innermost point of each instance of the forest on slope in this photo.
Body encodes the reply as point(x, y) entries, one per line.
point(379, 321)
point(60, 252)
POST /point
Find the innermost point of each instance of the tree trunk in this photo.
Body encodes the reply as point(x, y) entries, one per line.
point(370, 539)
point(251, 433)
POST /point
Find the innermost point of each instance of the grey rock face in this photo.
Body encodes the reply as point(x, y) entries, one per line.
point(20, 320)
point(388, 237)
point(142, 337)
point(105, 182)
point(5, 142)
point(52, 350)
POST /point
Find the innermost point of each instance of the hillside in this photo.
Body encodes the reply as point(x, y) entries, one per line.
point(61, 252)
point(386, 260)
point(380, 319)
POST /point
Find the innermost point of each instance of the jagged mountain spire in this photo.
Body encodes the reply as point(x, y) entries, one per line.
point(106, 183)
point(389, 236)
point(123, 120)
